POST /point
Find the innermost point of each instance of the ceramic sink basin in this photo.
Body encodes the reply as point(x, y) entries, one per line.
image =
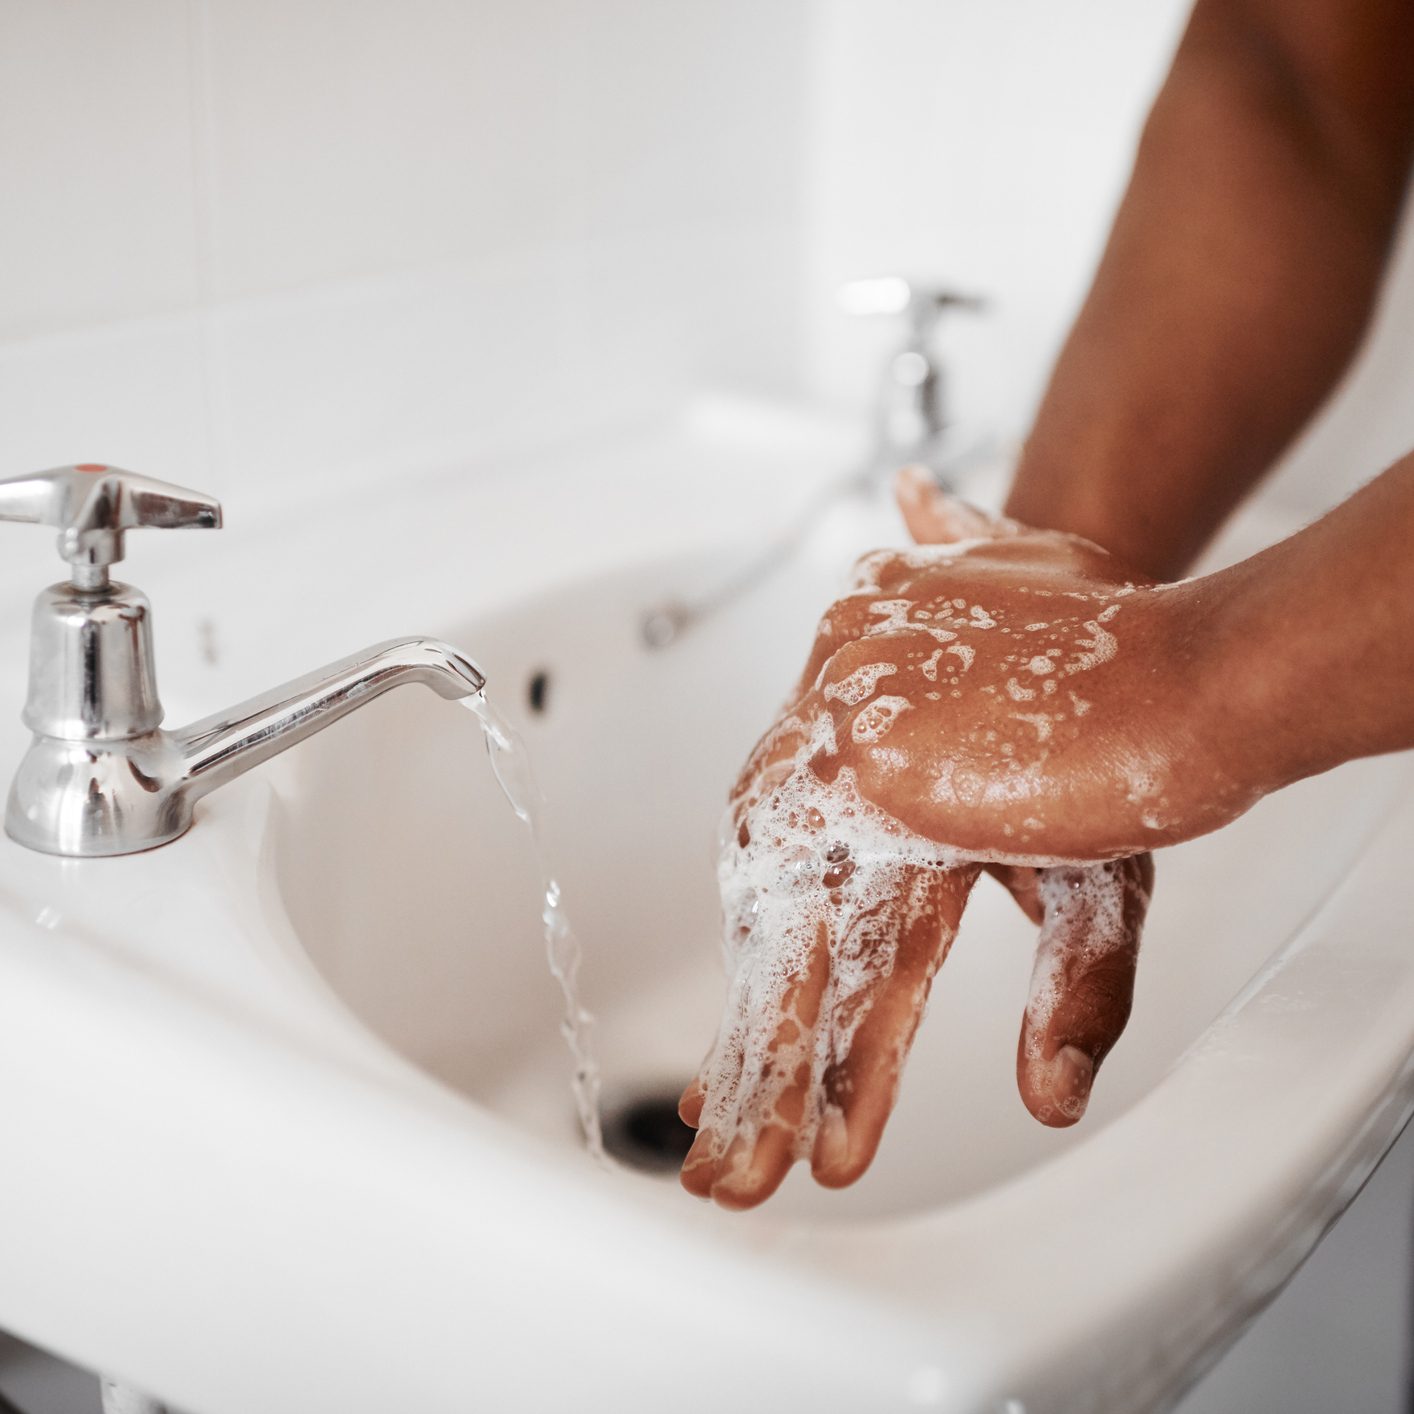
point(634, 748)
point(289, 1120)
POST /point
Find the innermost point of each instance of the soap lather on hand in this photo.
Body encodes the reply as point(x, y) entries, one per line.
point(982, 702)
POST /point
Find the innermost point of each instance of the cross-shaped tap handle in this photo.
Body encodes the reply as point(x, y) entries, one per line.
point(93, 506)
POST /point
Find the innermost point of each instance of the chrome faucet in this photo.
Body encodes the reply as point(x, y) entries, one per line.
point(101, 777)
point(912, 420)
point(911, 427)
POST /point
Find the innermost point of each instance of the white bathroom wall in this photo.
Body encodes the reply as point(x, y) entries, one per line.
point(255, 243)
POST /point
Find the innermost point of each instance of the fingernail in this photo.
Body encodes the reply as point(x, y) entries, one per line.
point(1059, 1088)
point(1072, 1075)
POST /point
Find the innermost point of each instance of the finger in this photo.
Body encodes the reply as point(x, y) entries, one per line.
point(699, 1168)
point(772, 759)
point(861, 1083)
point(752, 1169)
point(690, 1105)
point(747, 1145)
point(1082, 985)
point(724, 1065)
point(1021, 883)
point(935, 518)
point(755, 1164)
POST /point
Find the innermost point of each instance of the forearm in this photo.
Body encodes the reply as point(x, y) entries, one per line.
point(1238, 279)
point(1310, 645)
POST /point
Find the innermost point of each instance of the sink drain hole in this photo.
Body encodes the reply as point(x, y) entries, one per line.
point(645, 1132)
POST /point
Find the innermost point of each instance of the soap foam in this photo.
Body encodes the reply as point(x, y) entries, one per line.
point(1099, 648)
point(876, 719)
point(895, 614)
point(859, 684)
point(1042, 721)
point(1083, 921)
point(819, 867)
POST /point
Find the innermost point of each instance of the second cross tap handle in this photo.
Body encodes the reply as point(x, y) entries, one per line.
point(892, 294)
point(93, 506)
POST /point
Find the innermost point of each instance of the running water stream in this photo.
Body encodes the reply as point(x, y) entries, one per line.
point(510, 761)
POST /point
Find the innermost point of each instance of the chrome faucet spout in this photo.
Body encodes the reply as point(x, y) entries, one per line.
point(227, 744)
point(101, 776)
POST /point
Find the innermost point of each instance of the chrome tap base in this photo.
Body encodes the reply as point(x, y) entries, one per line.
point(88, 796)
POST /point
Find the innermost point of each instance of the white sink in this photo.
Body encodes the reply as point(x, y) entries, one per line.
point(290, 1126)
point(417, 900)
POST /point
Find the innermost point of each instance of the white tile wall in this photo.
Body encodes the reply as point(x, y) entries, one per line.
point(362, 379)
point(434, 229)
point(686, 114)
point(132, 393)
point(96, 177)
point(396, 234)
point(350, 137)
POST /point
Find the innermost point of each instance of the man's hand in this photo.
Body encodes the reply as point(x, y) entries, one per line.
point(981, 703)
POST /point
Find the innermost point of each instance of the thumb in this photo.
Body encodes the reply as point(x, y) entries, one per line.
point(934, 517)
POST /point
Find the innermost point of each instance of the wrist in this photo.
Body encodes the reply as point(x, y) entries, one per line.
point(1252, 684)
point(1048, 495)
point(1217, 686)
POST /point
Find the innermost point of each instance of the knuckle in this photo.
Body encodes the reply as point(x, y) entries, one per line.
point(1106, 993)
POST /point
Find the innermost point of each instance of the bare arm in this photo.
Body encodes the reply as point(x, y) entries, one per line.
point(1239, 277)
point(1310, 655)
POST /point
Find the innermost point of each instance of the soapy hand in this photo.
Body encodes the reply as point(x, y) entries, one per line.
point(1001, 699)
